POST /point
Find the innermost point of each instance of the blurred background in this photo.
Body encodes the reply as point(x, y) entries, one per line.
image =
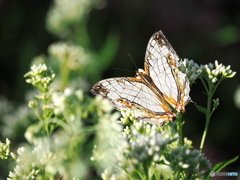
point(204, 31)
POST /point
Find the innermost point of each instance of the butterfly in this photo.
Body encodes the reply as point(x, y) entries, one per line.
point(157, 93)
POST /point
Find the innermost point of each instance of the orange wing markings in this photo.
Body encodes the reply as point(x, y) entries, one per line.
point(124, 102)
point(99, 89)
point(147, 115)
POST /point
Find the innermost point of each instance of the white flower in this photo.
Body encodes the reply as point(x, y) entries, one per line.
point(40, 76)
point(72, 56)
point(189, 67)
point(66, 12)
point(192, 161)
point(216, 71)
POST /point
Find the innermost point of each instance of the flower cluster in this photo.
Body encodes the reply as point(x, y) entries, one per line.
point(146, 148)
point(40, 76)
point(67, 105)
point(217, 70)
point(108, 134)
point(59, 100)
point(30, 163)
point(190, 68)
point(127, 117)
point(142, 146)
point(212, 71)
point(183, 159)
point(72, 57)
point(101, 106)
point(5, 150)
point(67, 12)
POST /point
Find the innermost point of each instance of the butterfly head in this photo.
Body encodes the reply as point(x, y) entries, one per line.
point(181, 109)
point(139, 73)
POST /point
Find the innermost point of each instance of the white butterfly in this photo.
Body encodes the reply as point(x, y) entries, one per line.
point(155, 91)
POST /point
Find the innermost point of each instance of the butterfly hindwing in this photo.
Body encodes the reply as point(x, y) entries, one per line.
point(134, 95)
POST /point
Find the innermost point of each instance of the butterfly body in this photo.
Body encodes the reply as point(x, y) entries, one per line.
point(155, 91)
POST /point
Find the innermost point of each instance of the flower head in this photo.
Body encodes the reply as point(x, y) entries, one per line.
point(190, 68)
point(190, 161)
point(70, 56)
point(143, 143)
point(216, 71)
point(66, 12)
point(127, 117)
point(31, 162)
point(40, 76)
point(5, 149)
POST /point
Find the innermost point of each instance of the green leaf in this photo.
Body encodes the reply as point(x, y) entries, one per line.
point(104, 57)
point(219, 166)
point(226, 35)
point(161, 162)
point(108, 51)
point(201, 109)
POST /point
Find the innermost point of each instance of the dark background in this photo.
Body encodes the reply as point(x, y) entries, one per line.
point(204, 31)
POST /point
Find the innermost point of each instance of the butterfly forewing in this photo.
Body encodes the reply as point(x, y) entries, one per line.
point(160, 59)
point(161, 63)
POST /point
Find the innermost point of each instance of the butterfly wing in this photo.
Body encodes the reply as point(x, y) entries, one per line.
point(161, 63)
point(184, 89)
point(134, 95)
point(150, 95)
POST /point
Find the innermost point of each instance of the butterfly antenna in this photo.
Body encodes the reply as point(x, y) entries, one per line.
point(122, 69)
point(133, 61)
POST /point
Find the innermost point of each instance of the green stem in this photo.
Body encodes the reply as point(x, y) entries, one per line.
point(215, 87)
point(204, 84)
point(208, 114)
point(176, 175)
point(65, 72)
point(179, 129)
point(145, 170)
point(37, 114)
